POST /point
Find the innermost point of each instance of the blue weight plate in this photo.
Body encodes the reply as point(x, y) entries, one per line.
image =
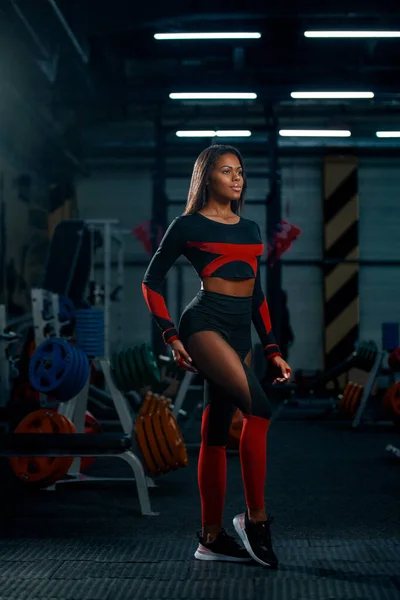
point(51, 365)
point(84, 369)
point(66, 309)
point(70, 388)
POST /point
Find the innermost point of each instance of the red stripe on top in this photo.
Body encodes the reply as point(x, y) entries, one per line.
point(220, 248)
point(223, 260)
point(264, 312)
point(155, 303)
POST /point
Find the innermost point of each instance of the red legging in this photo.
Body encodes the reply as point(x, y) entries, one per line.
point(212, 467)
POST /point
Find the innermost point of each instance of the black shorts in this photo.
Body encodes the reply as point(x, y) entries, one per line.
point(228, 315)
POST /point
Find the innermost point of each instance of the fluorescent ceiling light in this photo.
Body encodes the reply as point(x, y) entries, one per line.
point(212, 133)
point(205, 133)
point(352, 34)
point(213, 96)
point(233, 133)
point(388, 134)
point(208, 36)
point(333, 95)
point(314, 133)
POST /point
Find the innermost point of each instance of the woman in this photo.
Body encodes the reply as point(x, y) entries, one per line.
point(215, 339)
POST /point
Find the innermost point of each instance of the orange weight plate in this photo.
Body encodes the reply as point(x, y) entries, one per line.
point(144, 409)
point(152, 444)
point(167, 455)
point(41, 468)
point(343, 399)
point(65, 461)
point(349, 399)
point(173, 437)
point(142, 442)
point(356, 398)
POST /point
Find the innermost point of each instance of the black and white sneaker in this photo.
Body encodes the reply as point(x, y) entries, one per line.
point(256, 538)
point(224, 547)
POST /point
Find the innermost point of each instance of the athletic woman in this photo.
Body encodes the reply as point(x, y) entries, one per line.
point(214, 339)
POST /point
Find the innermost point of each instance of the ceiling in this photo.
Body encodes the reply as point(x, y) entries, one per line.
point(98, 83)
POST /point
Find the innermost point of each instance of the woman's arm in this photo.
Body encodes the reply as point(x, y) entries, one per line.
point(169, 250)
point(261, 317)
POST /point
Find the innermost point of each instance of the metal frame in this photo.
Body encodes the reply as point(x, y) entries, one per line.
point(75, 410)
point(368, 389)
point(111, 233)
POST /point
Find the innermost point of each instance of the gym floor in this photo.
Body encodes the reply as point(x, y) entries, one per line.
point(334, 492)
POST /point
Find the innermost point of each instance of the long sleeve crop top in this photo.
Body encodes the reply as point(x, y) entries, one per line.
point(214, 250)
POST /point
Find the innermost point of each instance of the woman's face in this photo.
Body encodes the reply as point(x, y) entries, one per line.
point(226, 178)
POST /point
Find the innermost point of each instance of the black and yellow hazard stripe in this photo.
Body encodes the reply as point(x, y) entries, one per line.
point(341, 212)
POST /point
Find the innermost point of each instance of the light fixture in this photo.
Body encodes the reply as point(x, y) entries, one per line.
point(213, 96)
point(314, 133)
point(388, 134)
point(212, 133)
point(352, 34)
point(332, 95)
point(233, 133)
point(194, 133)
point(246, 35)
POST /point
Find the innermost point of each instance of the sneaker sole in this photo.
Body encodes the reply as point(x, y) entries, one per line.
point(204, 554)
point(243, 536)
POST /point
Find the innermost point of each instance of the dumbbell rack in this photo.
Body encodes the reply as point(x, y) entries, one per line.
point(75, 410)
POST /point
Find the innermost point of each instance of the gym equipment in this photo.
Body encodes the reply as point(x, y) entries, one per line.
point(68, 261)
point(394, 359)
point(91, 426)
point(42, 470)
point(66, 309)
point(390, 336)
point(89, 330)
point(365, 355)
point(59, 368)
point(391, 403)
point(350, 399)
point(79, 444)
point(393, 450)
point(159, 437)
point(135, 367)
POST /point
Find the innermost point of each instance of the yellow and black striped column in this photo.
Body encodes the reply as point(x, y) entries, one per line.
point(341, 314)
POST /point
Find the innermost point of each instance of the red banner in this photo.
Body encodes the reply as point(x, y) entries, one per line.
point(285, 234)
point(142, 233)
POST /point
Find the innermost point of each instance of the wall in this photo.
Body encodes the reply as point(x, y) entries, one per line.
point(128, 197)
point(379, 190)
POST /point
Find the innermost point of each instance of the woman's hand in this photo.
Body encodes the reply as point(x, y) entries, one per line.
point(283, 367)
point(181, 357)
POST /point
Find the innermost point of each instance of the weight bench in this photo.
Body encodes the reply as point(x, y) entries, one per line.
point(78, 445)
point(69, 444)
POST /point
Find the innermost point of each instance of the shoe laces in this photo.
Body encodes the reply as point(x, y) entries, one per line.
point(224, 536)
point(229, 539)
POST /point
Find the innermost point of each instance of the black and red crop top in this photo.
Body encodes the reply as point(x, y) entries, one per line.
point(215, 250)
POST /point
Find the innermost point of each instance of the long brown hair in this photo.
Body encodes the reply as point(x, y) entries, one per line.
point(198, 192)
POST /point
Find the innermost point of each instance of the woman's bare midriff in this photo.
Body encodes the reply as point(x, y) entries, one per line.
point(230, 287)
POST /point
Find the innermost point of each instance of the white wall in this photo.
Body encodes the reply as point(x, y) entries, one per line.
point(379, 190)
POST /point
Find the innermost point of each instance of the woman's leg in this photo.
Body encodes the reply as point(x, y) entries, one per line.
point(231, 382)
point(253, 451)
point(216, 420)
